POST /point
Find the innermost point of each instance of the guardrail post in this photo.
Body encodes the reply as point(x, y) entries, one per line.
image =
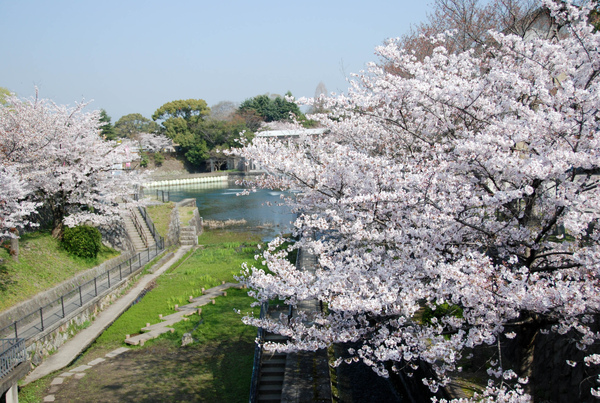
point(108, 274)
point(16, 334)
point(62, 304)
point(80, 297)
point(42, 318)
point(130, 259)
point(95, 287)
point(120, 274)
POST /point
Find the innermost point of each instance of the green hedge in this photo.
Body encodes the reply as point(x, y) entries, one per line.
point(83, 241)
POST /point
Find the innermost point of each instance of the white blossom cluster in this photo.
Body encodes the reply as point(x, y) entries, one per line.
point(470, 179)
point(54, 156)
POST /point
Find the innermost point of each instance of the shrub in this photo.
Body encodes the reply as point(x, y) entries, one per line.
point(143, 160)
point(83, 241)
point(158, 159)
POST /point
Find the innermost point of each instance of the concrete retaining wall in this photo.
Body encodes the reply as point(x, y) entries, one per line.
point(196, 220)
point(55, 336)
point(25, 308)
point(174, 230)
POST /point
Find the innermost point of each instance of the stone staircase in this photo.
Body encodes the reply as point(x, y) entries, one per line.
point(188, 236)
point(140, 234)
point(272, 371)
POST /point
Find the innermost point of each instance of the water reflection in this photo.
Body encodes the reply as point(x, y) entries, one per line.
point(219, 201)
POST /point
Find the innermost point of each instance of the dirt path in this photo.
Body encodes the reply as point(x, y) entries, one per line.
point(161, 373)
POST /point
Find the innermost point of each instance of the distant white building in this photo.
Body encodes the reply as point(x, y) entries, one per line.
point(290, 133)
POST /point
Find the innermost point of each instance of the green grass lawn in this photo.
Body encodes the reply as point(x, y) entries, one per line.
point(186, 214)
point(219, 260)
point(161, 216)
point(216, 367)
point(43, 263)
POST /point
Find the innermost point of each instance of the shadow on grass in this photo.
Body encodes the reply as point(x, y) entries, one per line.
point(212, 372)
point(6, 279)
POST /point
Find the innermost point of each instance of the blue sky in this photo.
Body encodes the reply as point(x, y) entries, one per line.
point(134, 56)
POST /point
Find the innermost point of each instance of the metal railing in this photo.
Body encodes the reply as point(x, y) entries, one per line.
point(12, 353)
point(159, 240)
point(54, 312)
point(164, 195)
point(260, 336)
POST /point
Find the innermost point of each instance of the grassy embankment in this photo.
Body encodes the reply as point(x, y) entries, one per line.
point(216, 367)
point(42, 264)
point(161, 216)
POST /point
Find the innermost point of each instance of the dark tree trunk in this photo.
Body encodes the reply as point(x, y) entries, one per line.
point(14, 248)
point(526, 354)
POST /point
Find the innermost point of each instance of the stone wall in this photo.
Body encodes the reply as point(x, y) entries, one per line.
point(172, 237)
point(174, 231)
point(115, 236)
point(24, 308)
point(196, 220)
point(54, 337)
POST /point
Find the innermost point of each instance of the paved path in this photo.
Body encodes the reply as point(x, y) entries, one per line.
point(76, 345)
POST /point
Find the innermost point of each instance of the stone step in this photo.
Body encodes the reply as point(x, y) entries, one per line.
point(275, 337)
point(268, 388)
point(271, 371)
point(269, 397)
point(272, 364)
point(271, 380)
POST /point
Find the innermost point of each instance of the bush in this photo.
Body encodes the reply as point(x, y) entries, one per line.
point(158, 159)
point(83, 241)
point(143, 160)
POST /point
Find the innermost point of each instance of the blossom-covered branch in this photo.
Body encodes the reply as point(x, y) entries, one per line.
point(471, 180)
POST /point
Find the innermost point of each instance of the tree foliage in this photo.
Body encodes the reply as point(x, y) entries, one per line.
point(190, 110)
point(107, 130)
point(468, 182)
point(4, 92)
point(470, 22)
point(83, 241)
point(187, 124)
point(52, 156)
point(272, 109)
point(133, 124)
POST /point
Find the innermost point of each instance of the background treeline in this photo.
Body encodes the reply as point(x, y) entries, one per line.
point(201, 133)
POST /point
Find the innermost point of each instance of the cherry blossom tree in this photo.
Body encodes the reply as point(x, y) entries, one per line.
point(53, 157)
point(471, 182)
point(153, 142)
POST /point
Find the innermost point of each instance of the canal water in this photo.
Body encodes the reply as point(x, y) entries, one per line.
point(221, 201)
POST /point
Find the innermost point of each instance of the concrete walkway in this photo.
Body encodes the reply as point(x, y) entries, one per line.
point(82, 340)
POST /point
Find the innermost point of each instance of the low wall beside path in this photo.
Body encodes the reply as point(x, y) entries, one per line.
point(43, 298)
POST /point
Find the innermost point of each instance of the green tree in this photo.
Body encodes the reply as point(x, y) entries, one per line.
point(4, 92)
point(198, 153)
point(134, 123)
point(179, 131)
point(188, 123)
point(106, 128)
point(190, 110)
point(271, 108)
